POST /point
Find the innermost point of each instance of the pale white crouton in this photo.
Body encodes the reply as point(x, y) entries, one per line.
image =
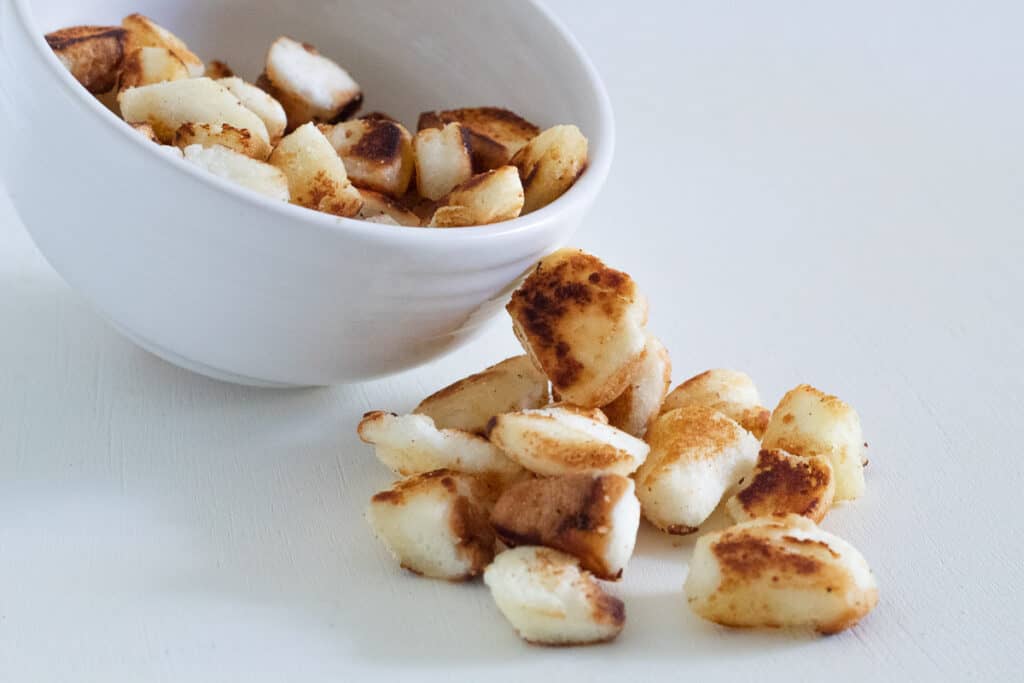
point(442, 160)
point(316, 175)
point(495, 134)
point(435, 524)
point(93, 54)
point(490, 197)
point(550, 601)
point(783, 483)
point(468, 404)
point(308, 85)
point(412, 444)
point(562, 440)
point(144, 32)
point(378, 154)
point(728, 391)
point(637, 407)
point(810, 422)
point(697, 456)
point(379, 208)
point(168, 105)
point(593, 518)
point(149, 65)
point(255, 175)
point(261, 103)
point(779, 572)
point(582, 324)
point(223, 134)
point(550, 163)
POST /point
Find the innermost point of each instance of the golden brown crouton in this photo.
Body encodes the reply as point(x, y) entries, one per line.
point(783, 483)
point(550, 164)
point(378, 206)
point(223, 134)
point(378, 154)
point(308, 85)
point(316, 174)
point(436, 524)
point(442, 160)
point(728, 391)
point(495, 134)
point(259, 102)
point(582, 324)
point(144, 32)
point(549, 600)
point(512, 384)
point(489, 197)
point(93, 54)
point(810, 422)
point(779, 571)
point(594, 518)
point(638, 406)
point(149, 65)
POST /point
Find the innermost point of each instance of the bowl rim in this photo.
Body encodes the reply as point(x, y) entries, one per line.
point(584, 190)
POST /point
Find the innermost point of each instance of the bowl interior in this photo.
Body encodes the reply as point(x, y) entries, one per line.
point(408, 56)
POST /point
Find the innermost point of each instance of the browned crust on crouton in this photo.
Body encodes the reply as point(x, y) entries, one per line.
point(469, 524)
point(370, 420)
point(692, 432)
point(782, 483)
point(218, 69)
point(743, 558)
point(397, 494)
point(571, 513)
point(380, 143)
point(623, 412)
point(495, 134)
point(755, 420)
point(678, 529)
point(146, 131)
point(555, 292)
point(93, 54)
point(581, 457)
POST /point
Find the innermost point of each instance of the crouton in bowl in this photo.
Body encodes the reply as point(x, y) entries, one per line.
point(250, 289)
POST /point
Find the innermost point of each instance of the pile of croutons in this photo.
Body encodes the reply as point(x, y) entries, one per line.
point(542, 489)
point(291, 135)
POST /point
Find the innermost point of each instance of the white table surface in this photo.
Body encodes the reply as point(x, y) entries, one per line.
point(809, 194)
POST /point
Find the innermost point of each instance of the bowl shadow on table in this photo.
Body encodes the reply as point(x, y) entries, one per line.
point(264, 491)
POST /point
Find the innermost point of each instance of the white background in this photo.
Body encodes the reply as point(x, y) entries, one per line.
point(821, 192)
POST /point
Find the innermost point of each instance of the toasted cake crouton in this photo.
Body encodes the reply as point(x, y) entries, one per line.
point(260, 103)
point(255, 175)
point(316, 174)
point(378, 154)
point(549, 165)
point(144, 32)
point(728, 391)
point(442, 160)
point(149, 65)
point(495, 134)
point(223, 134)
point(93, 54)
point(380, 208)
point(638, 406)
point(490, 197)
point(783, 483)
point(308, 85)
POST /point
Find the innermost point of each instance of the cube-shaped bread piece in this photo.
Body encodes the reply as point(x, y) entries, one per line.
point(308, 85)
point(777, 572)
point(593, 518)
point(144, 32)
point(469, 404)
point(435, 524)
point(413, 444)
point(255, 175)
point(810, 422)
point(442, 160)
point(167, 106)
point(490, 197)
point(582, 324)
point(149, 65)
point(259, 102)
point(565, 440)
point(638, 406)
point(728, 391)
point(495, 134)
point(379, 208)
point(782, 484)
point(377, 154)
point(550, 163)
point(316, 174)
point(223, 134)
point(698, 455)
point(549, 600)
point(93, 54)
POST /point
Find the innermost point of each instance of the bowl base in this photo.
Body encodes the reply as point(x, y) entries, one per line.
point(200, 368)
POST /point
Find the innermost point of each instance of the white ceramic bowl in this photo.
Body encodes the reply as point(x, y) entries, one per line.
point(234, 286)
